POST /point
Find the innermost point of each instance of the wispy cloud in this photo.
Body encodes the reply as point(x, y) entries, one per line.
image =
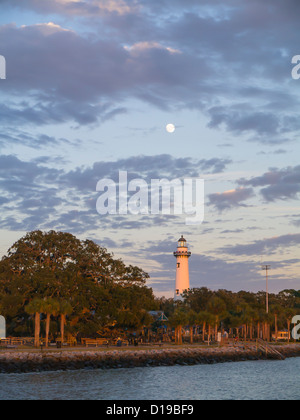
point(183, 60)
point(36, 195)
point(230, 199)
point(265, 246)
point(279, 184)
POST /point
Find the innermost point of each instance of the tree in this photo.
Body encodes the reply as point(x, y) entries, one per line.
point(265, 323)
point(177, 320)
point(247, 319)
point(35, 307)
point(210, 321)
point(192, 318)
point(289, 314)
point(277, 311)
point(216, 306)
point(235, 323)
point(204, 318)
point(65, 309)
point(49, 307)
point(197, 299)
point(131, 302)
point(57, 265)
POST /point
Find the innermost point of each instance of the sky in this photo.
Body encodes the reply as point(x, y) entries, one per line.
point(90, 88)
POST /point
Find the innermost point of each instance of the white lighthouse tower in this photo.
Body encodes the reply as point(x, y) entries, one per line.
point(182, 269)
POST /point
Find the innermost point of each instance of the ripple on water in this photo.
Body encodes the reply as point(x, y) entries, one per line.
point(268, 380)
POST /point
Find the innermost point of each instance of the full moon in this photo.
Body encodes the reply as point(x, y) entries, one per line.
point(170, 128)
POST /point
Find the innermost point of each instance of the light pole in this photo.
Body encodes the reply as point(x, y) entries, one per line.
point(266, 268)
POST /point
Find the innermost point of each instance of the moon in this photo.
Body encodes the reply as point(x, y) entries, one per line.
point(170, 128)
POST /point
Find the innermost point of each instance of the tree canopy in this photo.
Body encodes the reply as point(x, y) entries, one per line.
point(56, 265)
point(234, 310)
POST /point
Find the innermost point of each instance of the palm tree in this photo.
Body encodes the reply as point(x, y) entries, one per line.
point(65, 309)
point(203, 318)
point(265, 321)
point(210, 322)
point(217, 307)
point(247, 320)
point(256, 320)
point(192, 317)
point(177, 320)
point(235, 323)
point(50, 307)
point(35, 307)
point(252, 313)
point(289, 314)
point(261, 324)
point(277, 311)
point(244, 322)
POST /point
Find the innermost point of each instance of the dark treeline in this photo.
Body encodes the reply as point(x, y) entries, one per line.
point(54, 281)
point(242, 314)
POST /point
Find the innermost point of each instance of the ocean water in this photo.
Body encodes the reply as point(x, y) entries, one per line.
point(258, 380)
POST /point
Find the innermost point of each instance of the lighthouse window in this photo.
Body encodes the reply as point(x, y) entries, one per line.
point(178, 265)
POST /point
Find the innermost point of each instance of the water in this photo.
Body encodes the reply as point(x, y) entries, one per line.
point(267, 380)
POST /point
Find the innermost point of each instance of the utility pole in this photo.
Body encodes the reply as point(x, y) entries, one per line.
point(266, 268)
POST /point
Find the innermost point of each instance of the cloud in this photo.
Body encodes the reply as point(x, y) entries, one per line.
point(280, 184)
point(228, 231)
point(230, 199)
point(240, 121)
point(29, 192)
point(46, 29)
point(170, 54)
point(36, 195)
point(13, 136)
point(265, 246)
point(143, 46)
point(147, 167)
point(23, 173)
point(66, 76)
point(77, 7)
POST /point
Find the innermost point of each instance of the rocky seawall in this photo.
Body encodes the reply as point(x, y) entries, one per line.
point(25, 362)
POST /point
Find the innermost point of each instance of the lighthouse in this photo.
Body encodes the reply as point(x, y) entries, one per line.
point(182, 268)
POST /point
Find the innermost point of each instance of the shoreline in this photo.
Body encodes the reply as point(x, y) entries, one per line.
point(66, 360)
